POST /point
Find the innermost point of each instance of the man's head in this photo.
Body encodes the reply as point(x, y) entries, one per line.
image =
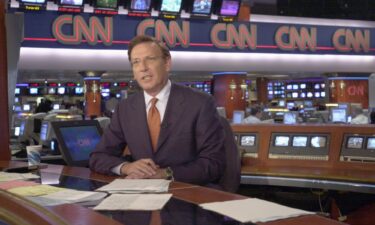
point(256, 111)
point(150, 60)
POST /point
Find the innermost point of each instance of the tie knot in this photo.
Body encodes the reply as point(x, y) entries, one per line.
point(153, 101)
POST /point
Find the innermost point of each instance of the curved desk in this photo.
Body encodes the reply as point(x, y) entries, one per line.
point(181, 209)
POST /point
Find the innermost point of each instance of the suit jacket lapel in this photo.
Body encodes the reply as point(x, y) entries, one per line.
point(172, 113)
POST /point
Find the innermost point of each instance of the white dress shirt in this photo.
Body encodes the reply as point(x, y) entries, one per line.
point(360, 119)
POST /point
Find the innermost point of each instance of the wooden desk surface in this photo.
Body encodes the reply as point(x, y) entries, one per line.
point(75, 214)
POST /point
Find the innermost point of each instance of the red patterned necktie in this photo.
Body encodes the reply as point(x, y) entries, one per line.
point(153, 121)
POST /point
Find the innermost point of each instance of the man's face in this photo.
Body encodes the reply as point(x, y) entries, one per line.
point(150, 68)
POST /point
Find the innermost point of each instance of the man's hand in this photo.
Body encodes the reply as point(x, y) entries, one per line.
point(139, 169)
point(159, 174)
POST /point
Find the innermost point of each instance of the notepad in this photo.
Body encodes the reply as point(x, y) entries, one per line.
point(133, 186)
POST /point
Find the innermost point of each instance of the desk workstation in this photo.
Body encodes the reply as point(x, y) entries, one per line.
point(181, 209)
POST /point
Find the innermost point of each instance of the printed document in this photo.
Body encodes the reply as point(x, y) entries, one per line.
point(134, 186)
point(134, 202)
point(253, 210)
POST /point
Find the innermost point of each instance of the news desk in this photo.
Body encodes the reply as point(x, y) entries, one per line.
point(181, 209)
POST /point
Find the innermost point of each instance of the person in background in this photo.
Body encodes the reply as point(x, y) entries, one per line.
point(255, 115)
point(171, 131)
point(372, 117)
point(358, 117)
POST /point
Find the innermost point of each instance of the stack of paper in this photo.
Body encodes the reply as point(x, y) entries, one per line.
point(253, 210)
point(134, 202)
point(133, 186)
point(4, 176)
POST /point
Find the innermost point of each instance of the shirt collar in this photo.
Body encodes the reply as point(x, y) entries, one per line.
point(162, 95)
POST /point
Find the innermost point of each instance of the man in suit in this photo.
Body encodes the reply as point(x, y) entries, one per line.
point(189, 143)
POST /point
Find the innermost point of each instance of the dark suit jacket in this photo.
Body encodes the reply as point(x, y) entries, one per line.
point(190, 141)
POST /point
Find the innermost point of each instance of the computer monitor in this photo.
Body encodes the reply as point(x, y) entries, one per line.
point(201, 7)
point(290, 118)
point(338, 115)
point(371, 143)
point(26, 107)
point(281, 141)
point(318, 141)
point(299, 141)
point(77, 139)
point(355, 142)
point(238, 116)
point(247, 140)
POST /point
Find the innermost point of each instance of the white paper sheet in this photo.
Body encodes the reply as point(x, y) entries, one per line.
point(134, 186)
point(134, 202)
point(4, 176)
point(253, 210)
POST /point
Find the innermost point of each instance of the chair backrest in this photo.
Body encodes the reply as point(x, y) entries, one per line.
point(232, 173)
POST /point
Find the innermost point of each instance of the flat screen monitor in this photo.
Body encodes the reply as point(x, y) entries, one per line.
point(317, 94)
point(295, 86)
point(322, 94)
point(77, 139)
point(61, 90)
point(290, 118)
point(308, 104)
point(295, 95)
point(26, 107)
point(318, 141)
point(43, 131)
point(56, 106)
point(22, 127)
point(290, 105)
point(338, 115)
point(71, 2)
point(281, 141)
point(309, 94)
point(140, 5)
point(202, 7)
point(17, 108)
point(323, 85)
point(229, 7)
point(34, 1)
point(17, 91)
point(289, 87)
point(302, 95)
point(302, 86)
point(317, 86)
point(238, 116)
point(371, 143)
point(170, 6)
point(17, 131)
point(281, 103)
point(51, 90)
point(107, 4)
point(78, 90)
point(299, 141)
point(354, 142)
point(247, 141)
point(33, 91)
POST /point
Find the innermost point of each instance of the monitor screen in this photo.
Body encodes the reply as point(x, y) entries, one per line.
point(289, 87)
point(61, 90)
point(290, 118)
point(71, 2)
point(371, 143)
point(338, 115)
point(354, 142)
point(308, 104)
point(43, 131)
point(295, 86)
point(170, 6)
point(17, 131)
point(281, 141)
point(295, 95)
point(26, 107)
point(290, 105)
point(309, 94)
point(17, 91)
point(323, 94)
point(140, 5)
point(33, 91)
point(56, 106)
point(318, 141)
point(247, 140)
point(78, 90)
point(51, 91)
point(34, 1)
point(229, 7)
point(302, 86)
point(202, 7)
point(78, 139)
point(281, 103)
point(299, 141)
point(238, 116)
point(22, 127)
point(317, 94)
point(108, 4)
point(317, 86)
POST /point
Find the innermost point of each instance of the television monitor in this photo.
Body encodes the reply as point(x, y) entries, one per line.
point(317, 94)
point(78, 90)
point(229, 7)
point(17, 91)
point(22, 127)
point(338, 115)
point(140, 5)
point(118, 95)
point(302, 86)
point(270, 92)
point(247, 141)
point(203, 7)
point(26, 107)
point(39, 2)
point(317, 86)
point(371, 143)
point(295, 95)
point(322, 94)
point(308, 104)
point(290, 118)
point(16, 100)
point(281, 103)
point(322, 85)
point(71, 2)
point(77, 139)
point(170, 6)
point(51, 90)
point(107, 4)
point(355, 142)
point(289, 87)
point(290, 105)
point(309, 94)
point(61, 90)
point(318, 141)
point(17, 131)
point(289, 95)
point(56, 106)
point(17, 108)
point(295, 86)
point(105, 94)
point(44, 131)
point(281, 141)
point(299, 141)
point(238, 116)
point(302, 95)
point(33, 91)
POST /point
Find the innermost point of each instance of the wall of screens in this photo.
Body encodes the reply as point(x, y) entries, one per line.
point(299, 146)
point(358, 148)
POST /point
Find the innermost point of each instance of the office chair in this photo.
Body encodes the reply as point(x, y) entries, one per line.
point(230, 180)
